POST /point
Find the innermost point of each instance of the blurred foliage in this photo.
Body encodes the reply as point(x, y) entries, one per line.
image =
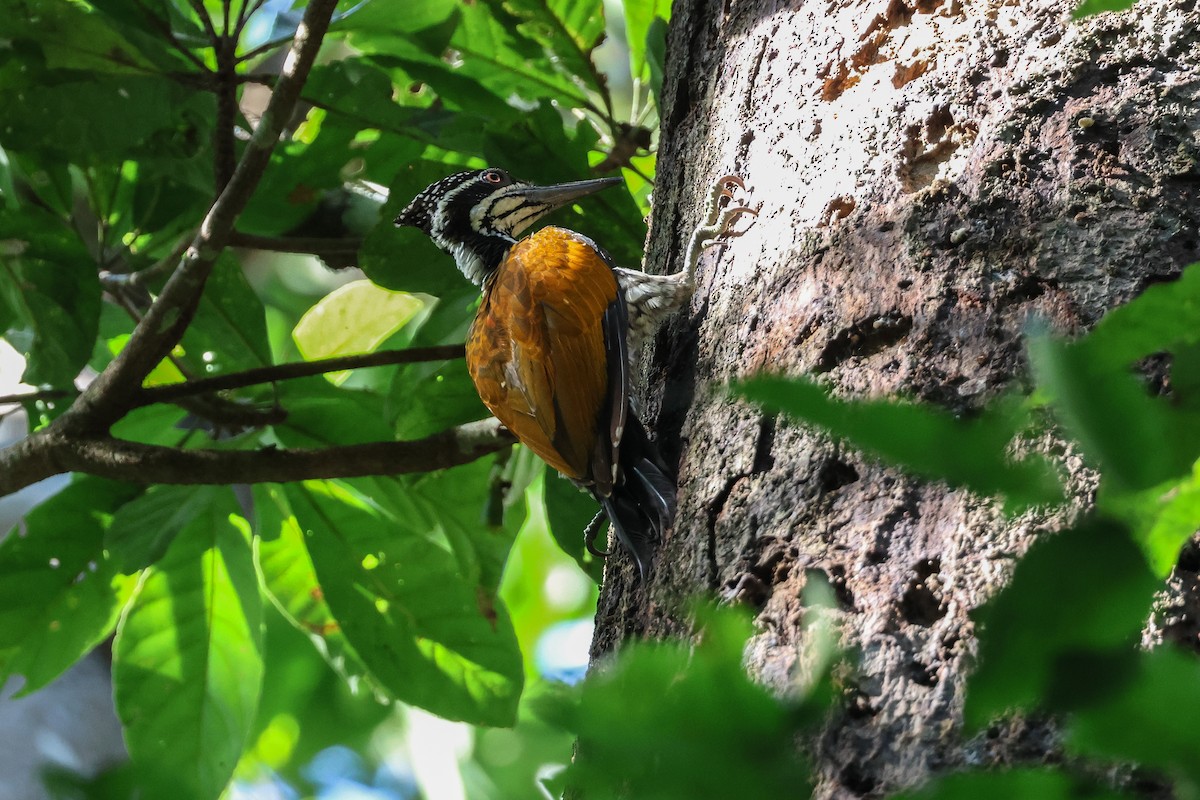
point(1089, 7)
point(1063, 636)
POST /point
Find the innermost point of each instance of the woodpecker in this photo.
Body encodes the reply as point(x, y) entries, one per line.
point(549, 349)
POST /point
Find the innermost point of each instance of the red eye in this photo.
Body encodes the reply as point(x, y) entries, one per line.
point(493, 176)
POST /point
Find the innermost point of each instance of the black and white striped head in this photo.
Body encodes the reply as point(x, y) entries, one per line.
point(476, 216)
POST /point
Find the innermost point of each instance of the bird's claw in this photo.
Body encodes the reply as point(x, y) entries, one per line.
point(591, 532)
point(718, 221)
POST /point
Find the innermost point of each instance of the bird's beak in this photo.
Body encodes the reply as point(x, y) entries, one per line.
point(552, 197)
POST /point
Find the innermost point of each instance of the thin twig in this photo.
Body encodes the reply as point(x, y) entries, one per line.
point(303, 369)
point(295, 244)
point(206, 21)
point(164, 27)
point(113, 280)
point(224, 152)
point(262, 49)
point(245, 14)
point(29, 397)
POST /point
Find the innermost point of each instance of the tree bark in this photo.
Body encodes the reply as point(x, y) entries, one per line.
point(933, 174)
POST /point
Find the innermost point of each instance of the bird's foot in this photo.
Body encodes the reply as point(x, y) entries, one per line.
point(591, 532)
point(718, 220)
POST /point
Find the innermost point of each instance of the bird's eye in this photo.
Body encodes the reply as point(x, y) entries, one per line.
point(493, 176)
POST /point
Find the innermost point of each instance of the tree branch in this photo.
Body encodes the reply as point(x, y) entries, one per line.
point(109, 396)
point(42, 394)
point(143, 463)
point(303, 369)
point(169, 393)
point(224, 151)
point(316, 245)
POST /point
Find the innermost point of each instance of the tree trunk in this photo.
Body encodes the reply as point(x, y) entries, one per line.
point(932, 175)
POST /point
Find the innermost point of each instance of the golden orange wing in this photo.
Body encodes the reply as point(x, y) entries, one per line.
point(537, 351)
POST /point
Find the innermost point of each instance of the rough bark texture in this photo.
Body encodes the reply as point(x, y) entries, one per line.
point(932, 174)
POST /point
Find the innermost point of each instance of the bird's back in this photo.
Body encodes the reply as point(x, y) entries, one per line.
point(537, 351)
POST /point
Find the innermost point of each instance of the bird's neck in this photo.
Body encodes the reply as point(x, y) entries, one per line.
point(478, 260)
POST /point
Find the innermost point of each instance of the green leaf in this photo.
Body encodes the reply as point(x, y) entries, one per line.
point(229, 332)
point(144, 28)
point(1163, 518)
point(393, 16)
point(656, 57)
point(641, 17)
point(1151, 721)
point(971, 453)
point(356, 317)
point(569, 30)
point(49, 284)
point(1041, 784)
point(358, 94)
point(320, 414)
point(143, 529)
point(59, 595)
point(1065, 628)
point(429, 638)
point(456, 508)
point(1161, 318)
point(287, 574)
point(646, 722)
point(569, 509)
point(495, 53)
point(1137, 440)
point(187, 660)
point(72, 36)
point(433, 397)
point(95, 120)
point(1089, 7)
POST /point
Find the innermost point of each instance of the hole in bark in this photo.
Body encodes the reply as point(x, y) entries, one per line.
point(837, 580)
point(906, 283)
point(836, 210)
point(863, 339)
point(858, 705)
point(920, 604)
point(1160, 277)
point(748, 590)
point(763, 460)
point(922, 674)
point(854, 779)
point(835, 474)
point(1189, 557)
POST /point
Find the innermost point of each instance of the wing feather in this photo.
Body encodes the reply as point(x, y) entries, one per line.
point(539, 352)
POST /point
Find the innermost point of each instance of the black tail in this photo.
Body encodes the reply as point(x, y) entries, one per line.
point(642, 504)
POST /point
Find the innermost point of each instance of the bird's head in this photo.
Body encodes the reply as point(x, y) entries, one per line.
point(476, 216)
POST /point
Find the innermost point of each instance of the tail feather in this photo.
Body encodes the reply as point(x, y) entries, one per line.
point(658, 491)
point(642, 504)
point(632, 532)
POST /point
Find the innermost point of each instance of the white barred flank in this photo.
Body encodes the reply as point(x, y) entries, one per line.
point(651, 299)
